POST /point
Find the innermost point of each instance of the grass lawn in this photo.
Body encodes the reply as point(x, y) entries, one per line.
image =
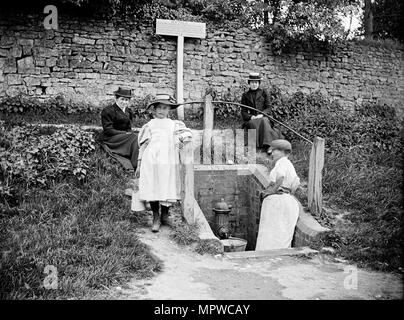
point(84, 228)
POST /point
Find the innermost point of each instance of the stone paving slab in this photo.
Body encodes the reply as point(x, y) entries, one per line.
point(270, 253)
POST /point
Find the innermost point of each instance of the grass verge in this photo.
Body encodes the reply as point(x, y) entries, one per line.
point(85, 230)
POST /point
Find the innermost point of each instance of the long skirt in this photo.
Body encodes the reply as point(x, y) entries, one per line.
point(265, 133)
point(122, 147)
point(279, 214)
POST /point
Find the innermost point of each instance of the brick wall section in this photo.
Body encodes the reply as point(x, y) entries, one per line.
point(88, 59)
point(211, 186)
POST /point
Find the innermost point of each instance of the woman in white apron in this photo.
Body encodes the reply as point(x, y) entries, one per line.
point(158, 167)
point(280, 209)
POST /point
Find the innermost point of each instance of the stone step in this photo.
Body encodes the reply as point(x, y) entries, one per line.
point(298, 251)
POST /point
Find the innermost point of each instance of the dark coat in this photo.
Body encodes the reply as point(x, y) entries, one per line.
point(261, 102)
point(117, 137)
point(115, 121)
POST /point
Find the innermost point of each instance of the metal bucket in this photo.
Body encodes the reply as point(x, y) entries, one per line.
point(234, 244)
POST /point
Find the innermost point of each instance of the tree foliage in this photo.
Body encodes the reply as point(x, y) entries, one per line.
point(388, 19)
point(284, 22)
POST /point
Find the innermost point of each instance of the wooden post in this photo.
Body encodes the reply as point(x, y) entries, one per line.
point(229, 145)
point(187, 175)
point(180, 80)
point(251, 148)
point(314, 192)
point(217, 147)
point(207, 129)
point(240, 146)
point(197, 144)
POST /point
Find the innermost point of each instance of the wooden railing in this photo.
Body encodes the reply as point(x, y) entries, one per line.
point(231, 144)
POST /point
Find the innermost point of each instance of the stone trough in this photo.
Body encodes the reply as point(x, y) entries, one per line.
point(239, 185)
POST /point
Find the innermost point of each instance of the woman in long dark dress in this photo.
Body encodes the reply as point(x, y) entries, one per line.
point(257, 98)
point(117, 137)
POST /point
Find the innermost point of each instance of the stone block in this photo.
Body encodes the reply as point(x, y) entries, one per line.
point(130, 67)
point(62, 62)
point(51, 62)
point(32, 81)
point(25, 64)
point(16, 51)
point(82, 40)
point(145, 68)
point(13, 79)
point(13, 91)
point(91, 57)
point(97, 65)
point(26, 42)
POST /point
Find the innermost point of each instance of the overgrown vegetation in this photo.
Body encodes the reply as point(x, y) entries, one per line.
point(362, 173)
point(184, 233)
point(79, 222)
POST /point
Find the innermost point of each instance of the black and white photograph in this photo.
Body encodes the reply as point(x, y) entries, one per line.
point(220, 152)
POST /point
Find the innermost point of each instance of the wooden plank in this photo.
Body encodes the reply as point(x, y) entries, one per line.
point(217, 140)
point(229, 145)
point(180, 28)
point(252, 143)
point(314, 192)
point(188, 182)
point(197, 145)
point(240, 146)
point(208, 116)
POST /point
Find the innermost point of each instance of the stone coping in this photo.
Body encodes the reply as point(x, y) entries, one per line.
point(300, 251)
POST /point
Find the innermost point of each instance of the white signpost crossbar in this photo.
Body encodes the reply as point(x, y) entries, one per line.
point(180, 29)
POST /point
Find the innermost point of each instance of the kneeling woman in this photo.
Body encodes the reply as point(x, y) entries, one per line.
point(280, 209)
point(159, 142)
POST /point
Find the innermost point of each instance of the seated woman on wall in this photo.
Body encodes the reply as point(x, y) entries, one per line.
point(280, 209)
point(117, 137)
point(257, 98)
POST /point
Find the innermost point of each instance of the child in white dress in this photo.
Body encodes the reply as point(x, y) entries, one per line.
point(158, 167)
point(280, 209)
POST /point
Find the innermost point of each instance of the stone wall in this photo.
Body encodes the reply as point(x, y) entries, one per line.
point(88, 59)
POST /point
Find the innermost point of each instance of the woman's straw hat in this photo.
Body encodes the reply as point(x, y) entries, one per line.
point(254, 76)
point(164, 98)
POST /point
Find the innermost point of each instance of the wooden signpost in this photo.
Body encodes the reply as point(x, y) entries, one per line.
point(180, 29)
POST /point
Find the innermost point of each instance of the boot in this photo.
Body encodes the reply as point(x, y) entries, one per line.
point(156, 216)
point(165, 216)
point(156, 221)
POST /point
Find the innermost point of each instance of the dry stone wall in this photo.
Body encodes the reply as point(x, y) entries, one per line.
point(88, 59)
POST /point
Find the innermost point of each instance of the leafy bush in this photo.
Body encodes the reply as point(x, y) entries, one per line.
point(23, 103)
point(41, 156)
point(84, 229)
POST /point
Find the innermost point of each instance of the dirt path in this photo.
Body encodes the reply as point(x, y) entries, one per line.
point(188, 275)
